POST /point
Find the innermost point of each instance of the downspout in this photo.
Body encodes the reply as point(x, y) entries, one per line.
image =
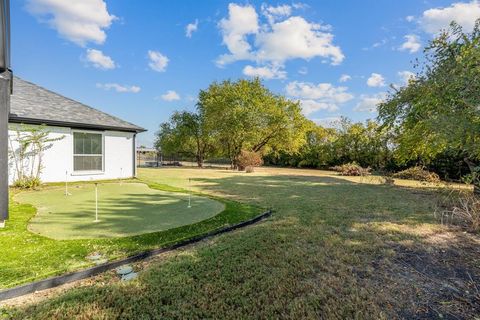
point(134, 155)
point(5, 79)
point(5, 91)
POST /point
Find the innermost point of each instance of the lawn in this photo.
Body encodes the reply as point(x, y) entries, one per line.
point(27, 256)
point(335, 248)
point(124, 209)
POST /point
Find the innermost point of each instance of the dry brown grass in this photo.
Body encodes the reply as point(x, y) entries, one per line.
point(336, 248)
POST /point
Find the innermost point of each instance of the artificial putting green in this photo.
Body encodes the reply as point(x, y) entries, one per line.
point(124, 209)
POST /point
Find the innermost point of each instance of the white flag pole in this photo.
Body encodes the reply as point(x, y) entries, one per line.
point(66, 184)
point(96, 202)
point(189, 193)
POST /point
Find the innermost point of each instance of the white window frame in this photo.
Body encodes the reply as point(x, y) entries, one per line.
point(88, 172)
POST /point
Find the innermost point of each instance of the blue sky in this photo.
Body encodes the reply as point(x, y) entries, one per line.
point(142, 60)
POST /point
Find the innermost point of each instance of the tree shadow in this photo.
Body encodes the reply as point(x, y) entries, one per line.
point(333, 249)
point(133, 214)
point(327, 196)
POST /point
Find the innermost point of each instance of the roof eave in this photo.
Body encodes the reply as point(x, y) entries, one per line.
point(56, 123)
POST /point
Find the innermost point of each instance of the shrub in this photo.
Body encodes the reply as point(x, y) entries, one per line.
point(351, 169)
point(249, 169)
point(417, 173)
point(27, 182)
point(249, 160)
point(388, 180)
point(462, 209)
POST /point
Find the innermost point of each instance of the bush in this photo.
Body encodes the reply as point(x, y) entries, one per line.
point(351, 169)
point(27, 183)
point(249, 160)
point(249, 169)
point(417, 173)
point(462, 209)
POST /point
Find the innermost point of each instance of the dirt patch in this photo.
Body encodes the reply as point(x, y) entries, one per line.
point(432, 279)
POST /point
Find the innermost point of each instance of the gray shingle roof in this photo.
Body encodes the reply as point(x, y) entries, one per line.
point(35, 105)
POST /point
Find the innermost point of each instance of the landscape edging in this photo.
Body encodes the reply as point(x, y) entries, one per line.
point(92, 271)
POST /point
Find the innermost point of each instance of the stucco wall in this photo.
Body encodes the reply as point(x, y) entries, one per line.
point(58, 159)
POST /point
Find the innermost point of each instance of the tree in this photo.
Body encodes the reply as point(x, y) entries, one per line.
point(364, 143)
point(185, 133)
point(439, 109)
point(26, 150)
point(245, 115)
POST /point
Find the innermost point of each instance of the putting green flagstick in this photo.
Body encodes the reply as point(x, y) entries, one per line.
point(189, 193)
point(96, 202)
point(66, 184)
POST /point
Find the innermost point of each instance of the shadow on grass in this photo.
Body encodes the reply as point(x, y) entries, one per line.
point(335, 199)
point(334, 249)
point(132, 214)
point(27, 256)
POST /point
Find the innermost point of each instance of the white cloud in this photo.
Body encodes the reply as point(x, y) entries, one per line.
point(319, 91)
point(464, 13)
point(380, 43)
point(303, 70)
point(368, 103)
point(100, 60)
point(170, 95)
point(191, 28)
point(157, 61)
point(345, 78)
point(274, 13)
point(118, 88)
point(411, 44)
point(300, 5)
point(410, 18)
point(296, 38)
point(310, 106)
point(77, 21)
point(279, 11)
point(323, 96)
point(283, 38)
point(265, 72)
point(191, 98)
point(328, 122)
point(241, 22)
point(376, 80)
point(406, 76)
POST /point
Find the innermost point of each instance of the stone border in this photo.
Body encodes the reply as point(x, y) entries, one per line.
point(92, 271)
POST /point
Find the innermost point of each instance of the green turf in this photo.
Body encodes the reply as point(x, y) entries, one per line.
point(329, 251)
point(125, 209)
point(26, 256)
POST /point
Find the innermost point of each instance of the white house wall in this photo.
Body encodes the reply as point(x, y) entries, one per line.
point(58, 159)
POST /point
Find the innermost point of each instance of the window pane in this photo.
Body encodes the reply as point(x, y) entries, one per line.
point(87, 143)
point(96, 147)
point(87, 163)
point(87, 149)
point(78, 143)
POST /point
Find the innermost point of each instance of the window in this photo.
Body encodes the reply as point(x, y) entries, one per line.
point(87, 151)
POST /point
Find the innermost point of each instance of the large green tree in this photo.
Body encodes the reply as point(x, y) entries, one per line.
point(439, 110)
point(245, 115)
point(186, 133)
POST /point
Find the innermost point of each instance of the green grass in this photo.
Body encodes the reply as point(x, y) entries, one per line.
point(125, 209)
point(330, 251)
point(26, 256)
